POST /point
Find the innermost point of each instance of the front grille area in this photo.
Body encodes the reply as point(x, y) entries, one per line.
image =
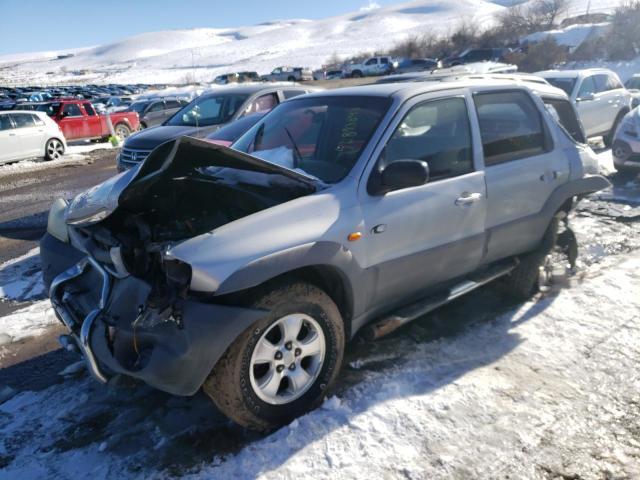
point(131, 156)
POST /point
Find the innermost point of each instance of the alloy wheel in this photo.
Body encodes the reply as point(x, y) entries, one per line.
point(287, 359)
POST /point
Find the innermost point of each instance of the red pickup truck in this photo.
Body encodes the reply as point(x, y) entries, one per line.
point(79, 119)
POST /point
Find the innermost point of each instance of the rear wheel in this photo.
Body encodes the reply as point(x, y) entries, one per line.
point(285, 363)
point(535, 271)
point(54, 149)
point(356, 74)
point(122, 131)
point(291, 78)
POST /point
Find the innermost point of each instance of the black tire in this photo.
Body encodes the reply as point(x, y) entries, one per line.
point(122, 131)
point(608, 138)
point(524, 281)
point(53, 149)
point(291, 79)
point(356, 74)
point(229, 384)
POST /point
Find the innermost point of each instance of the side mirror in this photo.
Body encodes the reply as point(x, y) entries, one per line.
point(402, 174)
point(585, 98)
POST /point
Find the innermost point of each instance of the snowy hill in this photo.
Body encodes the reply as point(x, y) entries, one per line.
point(201, 54)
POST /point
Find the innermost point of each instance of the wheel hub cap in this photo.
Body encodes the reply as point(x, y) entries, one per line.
point(287, 359)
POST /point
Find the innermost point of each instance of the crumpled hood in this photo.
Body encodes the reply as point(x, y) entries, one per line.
point(150, 138)
point(176, 158)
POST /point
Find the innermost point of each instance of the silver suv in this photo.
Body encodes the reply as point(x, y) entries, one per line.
point(599, 96)
point(245, 271)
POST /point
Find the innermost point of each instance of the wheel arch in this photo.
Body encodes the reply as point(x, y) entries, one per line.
point(326, 265)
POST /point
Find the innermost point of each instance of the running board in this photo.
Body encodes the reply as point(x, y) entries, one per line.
point(411, 312)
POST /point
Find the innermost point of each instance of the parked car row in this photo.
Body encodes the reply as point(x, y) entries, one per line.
point(12, 97)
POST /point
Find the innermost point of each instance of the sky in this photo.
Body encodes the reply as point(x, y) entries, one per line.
point(40, 25)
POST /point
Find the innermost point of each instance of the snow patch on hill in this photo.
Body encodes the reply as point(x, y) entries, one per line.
point(169, 56)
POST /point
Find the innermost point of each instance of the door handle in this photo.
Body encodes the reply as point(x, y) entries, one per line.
point(468, 199)
point(550, 176)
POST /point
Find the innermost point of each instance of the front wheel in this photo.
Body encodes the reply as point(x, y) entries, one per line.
point(122, 131)
point(54, 149)
point(284, 364)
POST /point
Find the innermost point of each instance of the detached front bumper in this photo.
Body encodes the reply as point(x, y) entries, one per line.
point(172, 352)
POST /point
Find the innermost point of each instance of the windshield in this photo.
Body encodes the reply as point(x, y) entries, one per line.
point(208, 110)
point(633, 83)
point(138, 107)
point(565, 84)
point(323, 136)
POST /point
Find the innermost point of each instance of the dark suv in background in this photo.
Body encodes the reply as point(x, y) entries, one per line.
point(155, 111)
point(205, 115)
point(476, 55)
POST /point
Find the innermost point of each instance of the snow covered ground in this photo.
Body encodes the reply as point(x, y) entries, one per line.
point(482, 388)
point(74, 155)
point(546, 389)
point(201, 54)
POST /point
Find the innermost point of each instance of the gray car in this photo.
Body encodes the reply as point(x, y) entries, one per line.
point(245, 271)
point(206, 114)
point(154, 112)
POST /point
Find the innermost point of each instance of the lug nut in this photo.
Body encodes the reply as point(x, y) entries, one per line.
point(288, 346)
point(297, 352)
point(292, 366)
point(279, 368)
point(278, 355)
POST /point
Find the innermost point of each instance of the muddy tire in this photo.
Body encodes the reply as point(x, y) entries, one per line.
point(122, 131)
point(529, 277)
point(53, 149)
point(285, 363)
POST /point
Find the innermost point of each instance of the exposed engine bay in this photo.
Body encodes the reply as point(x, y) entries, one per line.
point(185, 188)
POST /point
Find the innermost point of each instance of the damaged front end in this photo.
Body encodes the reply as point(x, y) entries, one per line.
point(128, 305)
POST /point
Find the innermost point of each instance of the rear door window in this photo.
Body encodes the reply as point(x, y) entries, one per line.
point(173, 104)
point(23, 120)
point(602, 83)
point(72, 110)
point(156, 107)
point(89, 109)
point(510, 126)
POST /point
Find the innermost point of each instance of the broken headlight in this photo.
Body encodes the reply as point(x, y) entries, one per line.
point(56, 226)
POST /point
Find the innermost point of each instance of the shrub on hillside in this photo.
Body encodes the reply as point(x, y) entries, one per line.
point(539, 56)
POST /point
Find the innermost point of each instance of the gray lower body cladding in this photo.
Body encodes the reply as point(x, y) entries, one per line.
point(171, 351)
